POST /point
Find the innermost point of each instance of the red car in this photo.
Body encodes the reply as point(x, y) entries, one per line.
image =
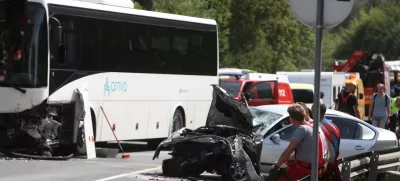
point(258, 92)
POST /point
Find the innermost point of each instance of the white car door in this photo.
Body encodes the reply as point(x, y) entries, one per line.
point(355, 138)
point(273, 146)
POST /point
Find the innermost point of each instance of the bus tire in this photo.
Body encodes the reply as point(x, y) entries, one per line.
point(81, 141)
point(177, 120)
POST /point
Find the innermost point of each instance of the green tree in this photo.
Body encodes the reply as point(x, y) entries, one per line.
point(212, 9)
point(330, 42)
point(266, 37)
point(292, 43)
point(144, 4)
point(375, 31)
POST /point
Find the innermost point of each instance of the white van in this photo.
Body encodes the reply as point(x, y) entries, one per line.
point(331, 83)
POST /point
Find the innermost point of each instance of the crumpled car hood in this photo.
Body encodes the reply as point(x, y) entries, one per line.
point(227, 111)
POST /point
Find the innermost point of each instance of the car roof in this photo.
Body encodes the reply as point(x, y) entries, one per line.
point(282, 110)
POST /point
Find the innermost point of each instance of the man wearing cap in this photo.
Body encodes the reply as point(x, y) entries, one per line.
point(347, 101)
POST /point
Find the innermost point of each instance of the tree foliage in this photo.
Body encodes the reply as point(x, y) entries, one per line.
point(263, 35)
point(376, 30)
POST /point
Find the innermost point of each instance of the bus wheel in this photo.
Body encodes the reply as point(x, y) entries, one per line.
point(81, 141)
point(178, 121)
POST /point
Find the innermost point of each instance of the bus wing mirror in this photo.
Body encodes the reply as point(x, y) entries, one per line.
point(361, 96)
point(56, 32)
point(57, 35)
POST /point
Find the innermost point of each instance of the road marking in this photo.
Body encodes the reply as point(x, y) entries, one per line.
point(126, 174)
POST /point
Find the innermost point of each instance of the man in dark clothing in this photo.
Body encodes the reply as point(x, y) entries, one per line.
point(347, 101)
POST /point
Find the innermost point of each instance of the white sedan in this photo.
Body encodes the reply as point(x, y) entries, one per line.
point(357, 136)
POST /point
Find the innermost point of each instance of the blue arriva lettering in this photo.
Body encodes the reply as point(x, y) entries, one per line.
point(115, 87)
point(119, 86)
point(125, 86)
point(112, 86)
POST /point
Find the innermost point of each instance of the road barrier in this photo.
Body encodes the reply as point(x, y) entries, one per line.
point(370, 166)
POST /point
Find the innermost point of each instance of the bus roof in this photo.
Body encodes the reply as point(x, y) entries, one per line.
point(124, 10)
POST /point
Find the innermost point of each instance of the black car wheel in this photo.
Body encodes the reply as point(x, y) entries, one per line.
point(172, 167)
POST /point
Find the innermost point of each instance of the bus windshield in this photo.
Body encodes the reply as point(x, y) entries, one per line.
point(31, 70)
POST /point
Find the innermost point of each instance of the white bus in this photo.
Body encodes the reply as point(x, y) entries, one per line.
point(151, 72)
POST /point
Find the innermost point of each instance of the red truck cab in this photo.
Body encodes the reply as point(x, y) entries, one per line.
point(263, 91)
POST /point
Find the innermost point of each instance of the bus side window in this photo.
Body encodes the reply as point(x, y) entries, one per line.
point(90, 41)
point(126, 46)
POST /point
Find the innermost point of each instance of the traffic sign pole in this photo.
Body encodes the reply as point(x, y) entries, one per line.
point(330, 13)
point(317, 78)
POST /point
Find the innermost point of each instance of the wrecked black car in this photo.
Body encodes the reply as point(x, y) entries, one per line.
point(218, 146)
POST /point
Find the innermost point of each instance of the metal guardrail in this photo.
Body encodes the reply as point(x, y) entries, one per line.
point(370, 165)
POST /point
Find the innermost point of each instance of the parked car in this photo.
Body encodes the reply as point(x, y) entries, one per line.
point(259, 88)
point(357, 136)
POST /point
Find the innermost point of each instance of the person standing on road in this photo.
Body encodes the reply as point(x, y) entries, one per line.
point(347, 101)
point(379, 110)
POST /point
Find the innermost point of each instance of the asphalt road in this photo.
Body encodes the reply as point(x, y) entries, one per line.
point(139, 166)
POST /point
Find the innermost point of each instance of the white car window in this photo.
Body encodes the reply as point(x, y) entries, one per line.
point(287, 133)
point(347, 127)
point(364, 133)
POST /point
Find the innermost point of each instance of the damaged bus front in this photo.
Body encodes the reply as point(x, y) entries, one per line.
point(218, 146)
point(26, 120)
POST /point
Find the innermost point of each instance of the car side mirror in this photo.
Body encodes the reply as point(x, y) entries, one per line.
point(361, 96)
point(276, 139)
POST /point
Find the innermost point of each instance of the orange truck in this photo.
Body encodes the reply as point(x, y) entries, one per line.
point(372, 70)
